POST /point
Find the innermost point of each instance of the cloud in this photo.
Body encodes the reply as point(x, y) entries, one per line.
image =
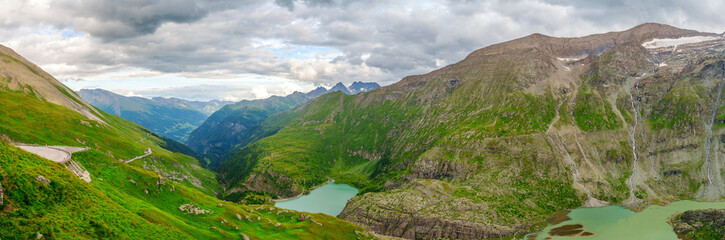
point(132, 94)
point(311, 42)
point(227, 92)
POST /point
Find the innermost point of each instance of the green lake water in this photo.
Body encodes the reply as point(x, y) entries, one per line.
point(615, 222)
point(329, 199)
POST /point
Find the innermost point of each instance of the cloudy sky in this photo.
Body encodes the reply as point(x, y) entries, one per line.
point(230, 49)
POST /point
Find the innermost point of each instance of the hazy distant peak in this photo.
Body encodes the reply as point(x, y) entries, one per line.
point(358, 87)
point(340, 87)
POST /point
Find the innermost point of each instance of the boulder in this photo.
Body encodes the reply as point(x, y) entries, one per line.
point(43, 179)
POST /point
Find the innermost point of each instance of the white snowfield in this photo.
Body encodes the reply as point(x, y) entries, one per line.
point(669, 42)
point(59, 154)
point(571, 59)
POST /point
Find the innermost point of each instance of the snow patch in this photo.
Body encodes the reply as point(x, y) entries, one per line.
point(571, 59)
point(669, 42)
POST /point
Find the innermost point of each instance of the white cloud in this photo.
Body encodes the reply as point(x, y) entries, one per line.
point(260, 92)
point(131, 94)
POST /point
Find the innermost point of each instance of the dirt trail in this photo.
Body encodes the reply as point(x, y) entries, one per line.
point(146, 153)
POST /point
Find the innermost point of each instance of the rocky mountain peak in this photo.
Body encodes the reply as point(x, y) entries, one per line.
point(340, 87)
point(317, 92)
point(358, 87)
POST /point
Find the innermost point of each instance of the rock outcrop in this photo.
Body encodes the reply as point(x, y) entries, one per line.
point(272, 182)
point(2, 195)
point(700, 224)
point(192, 209)
point(42, 179)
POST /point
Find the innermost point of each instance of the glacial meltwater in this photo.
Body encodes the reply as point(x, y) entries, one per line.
point(329, 199)
point(615, 222)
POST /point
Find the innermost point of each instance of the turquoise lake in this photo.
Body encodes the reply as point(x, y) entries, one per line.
point(329, 199)
point(615, 222)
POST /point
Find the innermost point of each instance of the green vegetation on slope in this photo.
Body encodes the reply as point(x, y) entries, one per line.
point(64, 209)
point(678, 110)
point(233, 123)
point(126, 202)
point(592, 112)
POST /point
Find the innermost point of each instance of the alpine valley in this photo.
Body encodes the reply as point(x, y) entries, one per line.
point(502, 144)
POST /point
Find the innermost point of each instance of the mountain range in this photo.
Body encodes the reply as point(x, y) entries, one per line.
point(171, 117)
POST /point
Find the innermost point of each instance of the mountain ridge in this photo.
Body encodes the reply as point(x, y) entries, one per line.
point(172, 117)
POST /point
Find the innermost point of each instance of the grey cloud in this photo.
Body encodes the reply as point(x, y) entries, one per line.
point(376, 40)
point(290, 4)
point(111, 19)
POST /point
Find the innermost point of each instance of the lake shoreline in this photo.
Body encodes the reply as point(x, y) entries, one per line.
point(302, 194)
point(330, 199)
point(600, 223)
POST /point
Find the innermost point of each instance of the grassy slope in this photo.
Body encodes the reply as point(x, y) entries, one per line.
point(69, 208)
point(25, 119)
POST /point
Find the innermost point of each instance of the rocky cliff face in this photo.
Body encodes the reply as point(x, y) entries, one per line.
point(494, 144)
